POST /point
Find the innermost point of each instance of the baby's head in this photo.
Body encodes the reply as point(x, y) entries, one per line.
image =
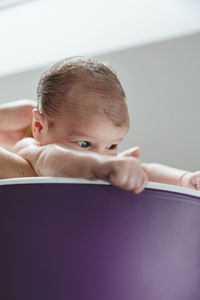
point(81, 104)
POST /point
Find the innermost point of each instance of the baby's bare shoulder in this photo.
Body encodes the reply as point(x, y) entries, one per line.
point(24, 143)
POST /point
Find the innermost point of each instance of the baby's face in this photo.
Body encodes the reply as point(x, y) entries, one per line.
point(98, 135)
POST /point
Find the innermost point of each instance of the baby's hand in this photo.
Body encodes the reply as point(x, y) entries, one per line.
point(124, 172)
point(133, 152)
point(191, 180)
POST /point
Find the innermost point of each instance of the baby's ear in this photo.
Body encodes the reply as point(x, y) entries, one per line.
point(38, 125)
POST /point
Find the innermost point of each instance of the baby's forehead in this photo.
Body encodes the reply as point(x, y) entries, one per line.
point(90, 104)
point(94, 126)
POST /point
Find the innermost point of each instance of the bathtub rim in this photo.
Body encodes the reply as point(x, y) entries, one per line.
point(61, 180)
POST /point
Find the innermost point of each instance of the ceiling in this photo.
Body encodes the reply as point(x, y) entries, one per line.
point(36, 33)
point(7, 4)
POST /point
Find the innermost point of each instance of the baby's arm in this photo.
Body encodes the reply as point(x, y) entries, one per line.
point(57, 160)
point(163, 174)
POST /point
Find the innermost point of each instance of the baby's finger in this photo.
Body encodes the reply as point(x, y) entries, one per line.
point(197, 186)
point(134, 152)
point(196, 181)
point(142, 187)
point(118, 179)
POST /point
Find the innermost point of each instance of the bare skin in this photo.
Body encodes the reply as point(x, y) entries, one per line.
point(164, 174)
point(87, 151)
point(12, 166)
point(15, 117)
point(43, 160)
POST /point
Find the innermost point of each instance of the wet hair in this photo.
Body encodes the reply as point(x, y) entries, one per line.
point(83, 87)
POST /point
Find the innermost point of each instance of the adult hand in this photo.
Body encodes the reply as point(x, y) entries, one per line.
point(15, 120)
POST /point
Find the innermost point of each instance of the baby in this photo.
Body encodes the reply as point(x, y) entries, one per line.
point(80, 120)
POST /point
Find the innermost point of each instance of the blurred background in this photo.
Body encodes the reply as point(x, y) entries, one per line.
point(154, 45)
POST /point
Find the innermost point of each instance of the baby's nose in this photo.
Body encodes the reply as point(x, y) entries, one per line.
point(100, 151)
point(104, 151)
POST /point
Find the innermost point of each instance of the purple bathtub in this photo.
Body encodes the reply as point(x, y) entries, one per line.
point(63, 239)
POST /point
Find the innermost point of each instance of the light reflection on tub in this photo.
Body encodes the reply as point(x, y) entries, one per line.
point(67, 239)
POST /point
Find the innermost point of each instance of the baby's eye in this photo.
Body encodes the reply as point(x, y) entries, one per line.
point(83, 144)
point(110, 147)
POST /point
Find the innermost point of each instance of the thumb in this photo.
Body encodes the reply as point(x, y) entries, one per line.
point(135, 152)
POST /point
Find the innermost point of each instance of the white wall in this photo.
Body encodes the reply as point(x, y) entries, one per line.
point(161, 82)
